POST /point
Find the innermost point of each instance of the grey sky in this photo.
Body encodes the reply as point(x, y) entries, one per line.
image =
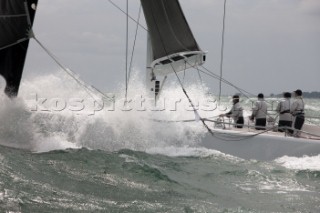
point(270, 45)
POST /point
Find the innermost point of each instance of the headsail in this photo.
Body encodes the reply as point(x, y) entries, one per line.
point(16, 19)
point(173, 44)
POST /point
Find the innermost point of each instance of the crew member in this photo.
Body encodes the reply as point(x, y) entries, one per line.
point(236, 112)
point(297, 110)
point(259, 113)
point(285, 117)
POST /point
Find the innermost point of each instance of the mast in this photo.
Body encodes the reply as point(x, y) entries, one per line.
point(150, 77)
point(16, 20)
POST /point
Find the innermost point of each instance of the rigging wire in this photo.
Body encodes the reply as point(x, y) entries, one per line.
point(200, 78)
point(222, 48)
point(184, 72)
point(134, 44)
point(227, 82)
point(127, 44)
point(243, 92)
point(115, 5)
point(215, 76)
point(87, 88)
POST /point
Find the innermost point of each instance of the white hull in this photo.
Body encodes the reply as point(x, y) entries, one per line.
point(264, 147)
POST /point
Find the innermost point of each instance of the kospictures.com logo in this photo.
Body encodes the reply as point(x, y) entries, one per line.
point(140, 103)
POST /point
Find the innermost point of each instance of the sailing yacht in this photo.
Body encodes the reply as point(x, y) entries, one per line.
point(171, 48)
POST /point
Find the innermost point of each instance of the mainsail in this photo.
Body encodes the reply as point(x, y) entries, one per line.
point(174, 47)
point(16, 19)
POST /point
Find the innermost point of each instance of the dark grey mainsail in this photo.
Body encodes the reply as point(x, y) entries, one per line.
point(16, 19)
point(171, 37)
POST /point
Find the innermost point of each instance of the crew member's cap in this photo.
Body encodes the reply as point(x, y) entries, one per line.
point(298, 92)
point(260, 95)
point(287, 95)
point(235, 97)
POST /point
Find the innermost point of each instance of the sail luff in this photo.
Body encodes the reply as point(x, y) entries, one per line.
point(15, 24)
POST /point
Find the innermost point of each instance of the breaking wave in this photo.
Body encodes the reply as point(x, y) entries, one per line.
point(52, 113)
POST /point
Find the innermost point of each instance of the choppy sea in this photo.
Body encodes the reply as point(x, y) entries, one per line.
point(61, 151)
